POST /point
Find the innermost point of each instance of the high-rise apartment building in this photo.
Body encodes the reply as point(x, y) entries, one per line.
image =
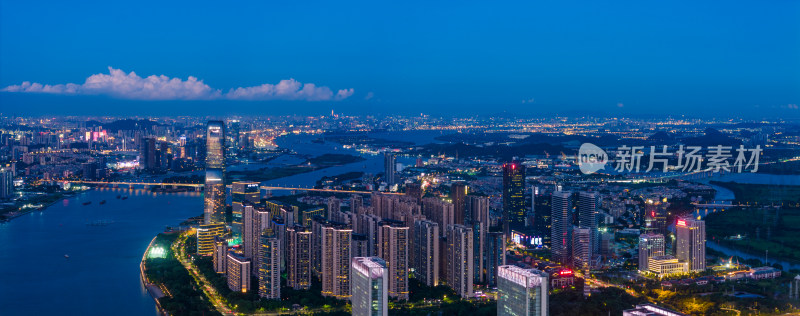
point(393, 248)
point(459, 263)
point(521, 292)
point(426, 252)
point(238, 273)
point(298, 257)
point(220, 257)
point(335, 264)
point(269, 274)
point(477, 217)
point(389, 168)
point(458, 194)
point(691, 238)
point(369, 287)
point(495, 256)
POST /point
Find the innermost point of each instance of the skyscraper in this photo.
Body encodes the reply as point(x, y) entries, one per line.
point(477, 217)
point(389, 168)
point(513, 196)
point(215, 173)
point(369, 287)
point(655, 216)
point(220, 257)
point(495, 256)
point(298, 261)
point(254, 221)
point(587, 218)
point(242, 192)
point(458, 194)
point(691, 238)
point(335, 265)
point(460, 260)
point(650, 245)
point(561, 222)
point(393, 248)
point(6, 183)
point(426, 252)
point(521, 292)
point(581, 248)
point(269, 274)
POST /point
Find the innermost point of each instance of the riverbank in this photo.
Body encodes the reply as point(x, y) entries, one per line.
point(153, 289)
point(38, 204)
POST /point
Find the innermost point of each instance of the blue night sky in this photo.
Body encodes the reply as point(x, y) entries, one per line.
point(533, 58)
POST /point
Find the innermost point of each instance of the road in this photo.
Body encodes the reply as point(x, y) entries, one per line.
point(208, 290)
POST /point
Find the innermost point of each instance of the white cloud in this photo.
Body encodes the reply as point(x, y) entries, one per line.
point(119, 84)
point(369, 95)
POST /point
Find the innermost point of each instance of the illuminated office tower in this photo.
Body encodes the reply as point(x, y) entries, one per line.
point(521, 292)
point(215, 145)
point(459, 260)
point(369, 287)
point(650, 245)
point(581, 248)
point(426, 252)
point(389, 168)
point(205, 238)
point(513, 196)
point(655, 216)
point(269, 274)
point(238, 273)
point(214, 198)
point(587, 218)
point(335, 265)
point(560, 224)
point(242, 192)
point(541, 215)
point(298, 261)
point(691, 238)
point(393, 248)
point(220, 257)
point(458, 194)
point(477, 217)
point(495, 256)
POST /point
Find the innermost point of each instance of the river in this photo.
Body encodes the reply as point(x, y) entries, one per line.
point(724, 194)
point(101, 275)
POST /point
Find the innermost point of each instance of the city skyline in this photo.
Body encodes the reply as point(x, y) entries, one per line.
point(400, 158)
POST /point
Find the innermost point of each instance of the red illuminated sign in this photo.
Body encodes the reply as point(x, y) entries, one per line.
point(565, 272)
point(681, 222)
